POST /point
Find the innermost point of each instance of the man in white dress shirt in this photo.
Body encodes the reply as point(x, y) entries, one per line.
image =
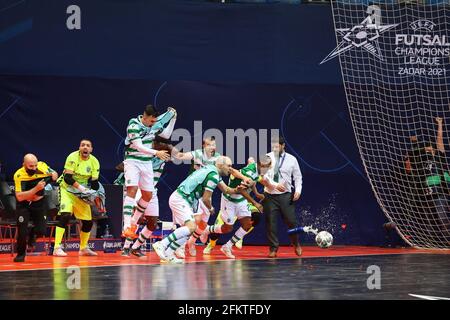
point(285, 171)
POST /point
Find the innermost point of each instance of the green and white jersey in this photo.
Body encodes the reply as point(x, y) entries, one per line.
point(250, 171)
point(199, 159)
point(137, 131)
point(193, 187)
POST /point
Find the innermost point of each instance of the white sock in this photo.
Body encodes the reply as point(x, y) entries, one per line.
point(139, 210)
point(135, 217)
point(174, 245)
point(144, 235)
point(239, 234)
point(176, 235)
point(213, 229)
point(128, 207)
point(127, 243)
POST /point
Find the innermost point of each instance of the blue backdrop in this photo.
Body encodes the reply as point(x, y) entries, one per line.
point(233, 66)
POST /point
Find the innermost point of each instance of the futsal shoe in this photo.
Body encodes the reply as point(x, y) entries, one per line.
point(208, 248)
point(174, 260)
point(192, 249)
point(159, 250)
point(272, 254)
point(130, 232)
point(19, 258)
point(138, 253)
point(59, 252)
point(87, 252)
point(239, 244)
point(125, 252)
point(180, 252)
point(298, 251)
point(227, 251)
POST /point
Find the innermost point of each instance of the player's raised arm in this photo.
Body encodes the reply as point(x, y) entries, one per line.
point(167, 132)
point(440, 136)
point(161, 154)
point(183, 155)
point(237, 174)
point(227, 190)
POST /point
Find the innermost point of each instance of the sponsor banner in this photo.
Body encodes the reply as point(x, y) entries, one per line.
point(107, 245)
point(73, 245)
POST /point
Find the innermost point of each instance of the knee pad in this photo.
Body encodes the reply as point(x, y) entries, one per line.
point(256, 218)
point(86, 225)
point(63, 219)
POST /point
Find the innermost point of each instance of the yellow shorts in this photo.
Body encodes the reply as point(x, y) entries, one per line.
point(72, 204)
point(252, 208)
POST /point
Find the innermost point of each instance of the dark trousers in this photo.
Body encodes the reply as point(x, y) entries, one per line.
point(274, 205)
point(26, 212)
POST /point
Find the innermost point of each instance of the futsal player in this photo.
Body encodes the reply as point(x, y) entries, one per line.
point(201, 157)
point(236, 207)
point(198, 185)
point(152, 211)
point(81, 171)
point(138, 167)
point(29, 182)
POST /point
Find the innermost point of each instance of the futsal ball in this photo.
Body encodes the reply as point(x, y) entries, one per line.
point(324, 239)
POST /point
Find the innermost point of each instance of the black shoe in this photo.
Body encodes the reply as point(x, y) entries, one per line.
point(137, 253)
point(272, 254)
point(125, 252)
point(19, 258)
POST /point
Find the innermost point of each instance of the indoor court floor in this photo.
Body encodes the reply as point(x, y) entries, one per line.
point(340, 272)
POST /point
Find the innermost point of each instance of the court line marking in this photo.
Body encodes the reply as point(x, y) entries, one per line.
point(427, 297)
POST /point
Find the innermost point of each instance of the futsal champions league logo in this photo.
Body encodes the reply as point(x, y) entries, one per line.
point(423, 52)
point(364, 35)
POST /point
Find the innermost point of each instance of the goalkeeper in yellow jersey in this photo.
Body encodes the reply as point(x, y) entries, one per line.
point(80, 176)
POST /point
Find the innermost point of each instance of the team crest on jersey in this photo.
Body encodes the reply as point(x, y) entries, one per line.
point(63, 206)
point(88, 169)
point(20, 219)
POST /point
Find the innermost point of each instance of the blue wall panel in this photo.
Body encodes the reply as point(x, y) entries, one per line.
point(233, 66)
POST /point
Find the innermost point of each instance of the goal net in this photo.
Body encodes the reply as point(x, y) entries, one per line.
point(395, 66)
